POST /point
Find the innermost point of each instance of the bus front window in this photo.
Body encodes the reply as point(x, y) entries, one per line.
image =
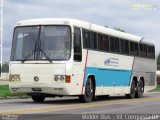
point(41, 43)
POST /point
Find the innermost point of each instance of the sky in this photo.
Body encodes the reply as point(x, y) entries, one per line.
point(139, 17)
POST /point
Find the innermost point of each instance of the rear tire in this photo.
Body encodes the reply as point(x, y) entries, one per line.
point(132, 91)
point(38, 99)
point(140, 89)
point(89, 92)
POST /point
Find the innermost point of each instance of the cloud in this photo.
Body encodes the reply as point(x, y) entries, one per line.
point(142, 22)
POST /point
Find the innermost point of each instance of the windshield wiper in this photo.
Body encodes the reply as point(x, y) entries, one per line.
point(25, 58)
point(45, 54)
point(37, 50)
point(36, 53)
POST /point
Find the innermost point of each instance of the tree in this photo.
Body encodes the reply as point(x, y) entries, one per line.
point(119, 29)
point(158, 62)
point(5, 67)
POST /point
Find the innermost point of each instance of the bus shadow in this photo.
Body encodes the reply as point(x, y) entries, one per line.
point(75, 100)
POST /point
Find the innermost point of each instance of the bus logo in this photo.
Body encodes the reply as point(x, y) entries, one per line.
point(111, 62)
point(36, 79)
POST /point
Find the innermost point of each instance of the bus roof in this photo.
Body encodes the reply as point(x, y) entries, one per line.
point(82, 24)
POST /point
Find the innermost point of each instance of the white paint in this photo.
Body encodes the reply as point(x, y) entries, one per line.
point(158, 72)
point(5, 76)
point(46, 71)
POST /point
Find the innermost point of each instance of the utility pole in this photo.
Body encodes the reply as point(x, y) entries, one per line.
point(1, 33)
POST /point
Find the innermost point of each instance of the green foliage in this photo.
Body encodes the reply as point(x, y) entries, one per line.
point(5, 93)
point(157, 88)
point(5, 67)
point(119, 29)
point(158, 62)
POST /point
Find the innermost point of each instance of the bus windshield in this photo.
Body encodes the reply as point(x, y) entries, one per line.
point(41, 43)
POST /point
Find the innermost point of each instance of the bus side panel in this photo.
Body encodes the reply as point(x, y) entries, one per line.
point(112, 72)
point(145, 68)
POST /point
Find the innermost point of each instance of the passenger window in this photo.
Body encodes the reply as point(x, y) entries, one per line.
point(105, 43)
point(86, 38)
point(134, 49)
point(131, 48)
point(143, 50)
point(100, 42)
point(93, 40)
point(117, 50)
point(114, 45)
point(124, 45)
point(77, 45)
point(151, 52)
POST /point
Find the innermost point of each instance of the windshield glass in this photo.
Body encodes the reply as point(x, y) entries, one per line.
point(41, 43)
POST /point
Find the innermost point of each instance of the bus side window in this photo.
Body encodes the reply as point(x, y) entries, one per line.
point(143, 50)
point(77, 45)
point(86, 39)
point(151, 52)
point(124, 46)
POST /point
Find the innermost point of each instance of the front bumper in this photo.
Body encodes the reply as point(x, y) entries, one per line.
point(44, 88)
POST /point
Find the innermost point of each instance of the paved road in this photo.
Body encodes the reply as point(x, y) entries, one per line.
point(62, 108)
point(4, 82)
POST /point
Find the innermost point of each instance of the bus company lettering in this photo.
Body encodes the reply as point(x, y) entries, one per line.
point(112, 62)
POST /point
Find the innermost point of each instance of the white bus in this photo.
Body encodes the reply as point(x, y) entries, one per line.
point(68, 57)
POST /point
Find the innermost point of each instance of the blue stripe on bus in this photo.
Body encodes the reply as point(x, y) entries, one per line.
point(107, 77)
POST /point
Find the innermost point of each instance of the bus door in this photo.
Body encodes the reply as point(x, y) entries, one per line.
point(77, 70)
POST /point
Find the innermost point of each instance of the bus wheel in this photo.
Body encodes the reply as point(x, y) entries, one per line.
point(132, 91)
point(38, 99)
point(140, 88)
point(89, 94)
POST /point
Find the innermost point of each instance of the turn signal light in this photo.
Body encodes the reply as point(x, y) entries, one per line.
point(68, 79)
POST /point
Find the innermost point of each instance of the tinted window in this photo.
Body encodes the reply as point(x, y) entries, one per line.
point(77, 45)
point(93, 40)
point(143, 50)
point(100, 42)
point(124, 44)
point(105, 43)
point(86, 39)
point(134, 49)
point(114, 44)
point(151, 52)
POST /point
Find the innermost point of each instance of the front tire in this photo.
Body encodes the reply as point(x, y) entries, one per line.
point(89, 92)
point(132, 91)
point(38, 99)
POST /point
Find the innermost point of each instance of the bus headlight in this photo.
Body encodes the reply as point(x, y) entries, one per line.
point(59, 78)
point(14, 78)
point(62, 78)
point(56, 78)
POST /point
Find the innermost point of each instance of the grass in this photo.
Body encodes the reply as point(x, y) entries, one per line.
point(157, 88)
point(5, 93)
